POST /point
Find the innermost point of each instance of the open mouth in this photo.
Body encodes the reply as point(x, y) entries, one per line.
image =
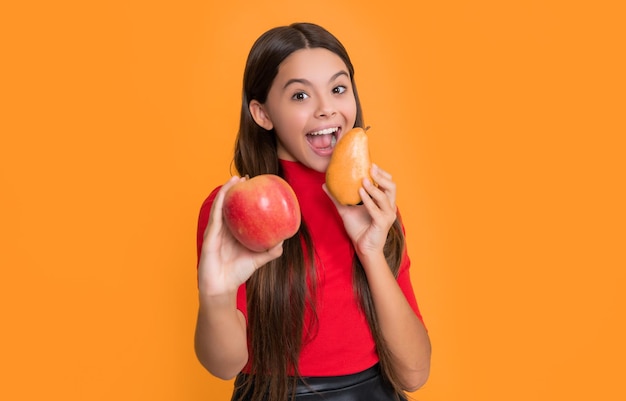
point(323, 140)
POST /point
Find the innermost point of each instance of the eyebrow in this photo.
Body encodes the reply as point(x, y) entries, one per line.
point(307, 82)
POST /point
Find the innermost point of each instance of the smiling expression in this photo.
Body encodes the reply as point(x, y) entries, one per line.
point(311, 103)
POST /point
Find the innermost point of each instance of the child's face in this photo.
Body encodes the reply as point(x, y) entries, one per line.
point(310, 105)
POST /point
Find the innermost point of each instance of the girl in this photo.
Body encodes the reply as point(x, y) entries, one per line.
point(329, 313)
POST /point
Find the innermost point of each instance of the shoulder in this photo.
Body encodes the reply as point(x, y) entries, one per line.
point(205, 208)
point(208, 202)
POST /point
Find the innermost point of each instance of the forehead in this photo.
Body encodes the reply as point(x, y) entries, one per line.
point(310, 64)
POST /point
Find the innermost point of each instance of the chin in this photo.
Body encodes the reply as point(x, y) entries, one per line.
point(321, 166)
point(312, 160)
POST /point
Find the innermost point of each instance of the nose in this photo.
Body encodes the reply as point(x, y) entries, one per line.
point(325, 108)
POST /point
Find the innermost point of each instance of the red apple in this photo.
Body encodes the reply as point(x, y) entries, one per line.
point(262, 211)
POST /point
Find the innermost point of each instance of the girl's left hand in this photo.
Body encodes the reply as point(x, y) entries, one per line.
point(368, 224)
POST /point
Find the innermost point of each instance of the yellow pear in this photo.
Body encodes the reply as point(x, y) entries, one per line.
point(349, 164)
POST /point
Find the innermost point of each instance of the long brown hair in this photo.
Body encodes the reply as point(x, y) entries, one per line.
point(278, 293)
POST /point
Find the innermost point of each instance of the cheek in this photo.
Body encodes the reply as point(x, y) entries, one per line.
point(290, 125)
point(290, 113)
point(350, 113)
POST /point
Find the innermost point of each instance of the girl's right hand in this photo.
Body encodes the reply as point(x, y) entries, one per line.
point(225, 263)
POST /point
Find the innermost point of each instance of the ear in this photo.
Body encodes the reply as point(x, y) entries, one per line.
point(259, 115)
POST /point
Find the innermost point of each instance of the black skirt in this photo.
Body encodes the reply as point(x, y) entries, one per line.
point(363, 386)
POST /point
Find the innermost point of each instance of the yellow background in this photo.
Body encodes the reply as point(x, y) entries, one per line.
point(501, 121)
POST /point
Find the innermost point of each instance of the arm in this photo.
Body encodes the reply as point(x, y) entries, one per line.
point(220, 338)
point(224, 264)
point(404, 333)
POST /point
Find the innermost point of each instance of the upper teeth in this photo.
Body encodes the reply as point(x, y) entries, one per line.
point(325, 131)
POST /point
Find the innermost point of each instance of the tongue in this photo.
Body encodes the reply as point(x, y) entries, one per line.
point(320, 141)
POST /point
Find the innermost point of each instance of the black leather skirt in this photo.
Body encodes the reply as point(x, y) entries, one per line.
point(363, 386)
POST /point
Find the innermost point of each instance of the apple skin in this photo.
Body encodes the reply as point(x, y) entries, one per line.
point(261, 211)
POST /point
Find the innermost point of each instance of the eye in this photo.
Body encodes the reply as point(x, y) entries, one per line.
point(299, 96)
point(339, 89)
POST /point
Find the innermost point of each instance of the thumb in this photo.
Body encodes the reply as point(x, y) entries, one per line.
point(332, 198)
point(341, 209)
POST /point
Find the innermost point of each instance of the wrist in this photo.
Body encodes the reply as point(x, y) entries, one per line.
point(372, 258)
point(218, 301)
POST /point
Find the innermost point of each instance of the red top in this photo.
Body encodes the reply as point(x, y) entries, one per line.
point(343, 343)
